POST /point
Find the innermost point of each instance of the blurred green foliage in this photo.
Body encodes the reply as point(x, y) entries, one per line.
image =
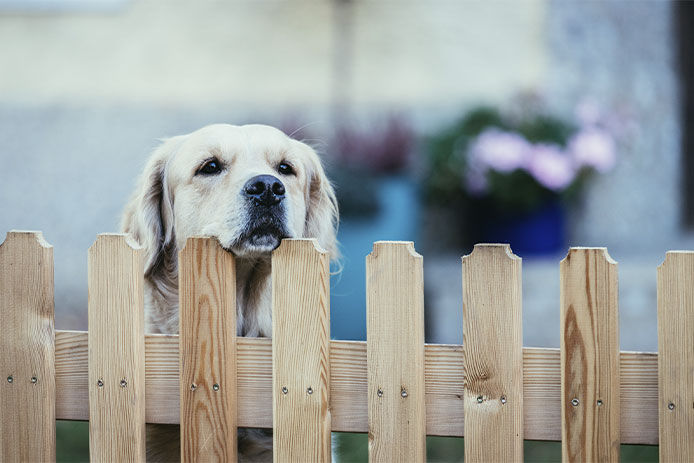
point(446, 160)
point(352, 447)
point(71, 441)
point(73, 446)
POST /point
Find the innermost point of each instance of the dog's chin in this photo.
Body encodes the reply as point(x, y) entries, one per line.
point(257, 243)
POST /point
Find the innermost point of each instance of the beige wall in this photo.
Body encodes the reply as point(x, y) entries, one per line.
point(275, 53)
point(434, 52)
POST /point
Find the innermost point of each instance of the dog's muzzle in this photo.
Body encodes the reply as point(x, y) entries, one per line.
point(264, 190)
point(266, 215)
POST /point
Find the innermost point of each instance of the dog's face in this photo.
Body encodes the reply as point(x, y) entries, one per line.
point(248, 186)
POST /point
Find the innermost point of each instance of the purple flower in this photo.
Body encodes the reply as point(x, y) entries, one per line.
point(588, 112)
point(551, 167)
point(499, 150)
point(594, 148)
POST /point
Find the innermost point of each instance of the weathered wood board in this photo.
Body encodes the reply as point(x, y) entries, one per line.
point(493, 353)
point(27, 367)
point(395, 353)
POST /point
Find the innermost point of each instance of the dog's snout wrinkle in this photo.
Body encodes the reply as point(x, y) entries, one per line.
point(267, 190)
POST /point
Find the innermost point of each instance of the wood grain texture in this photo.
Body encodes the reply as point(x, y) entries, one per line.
point(116, 350)
point(27, 368)
point(590, 356)
point(207, 343)
point(301, 352)
point(676, 356)
point(493, 353)
point(395, 353)
point(444, 376)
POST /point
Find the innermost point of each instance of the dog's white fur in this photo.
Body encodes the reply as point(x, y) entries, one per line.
point(174, 201)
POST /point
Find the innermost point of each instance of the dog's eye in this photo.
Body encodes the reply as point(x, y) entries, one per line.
point(210, 167)
point(285, 168)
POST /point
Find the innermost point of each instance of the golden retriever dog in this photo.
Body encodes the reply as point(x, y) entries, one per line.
point(247, 186)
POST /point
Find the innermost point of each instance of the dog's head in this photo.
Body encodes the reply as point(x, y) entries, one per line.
point(248, 186)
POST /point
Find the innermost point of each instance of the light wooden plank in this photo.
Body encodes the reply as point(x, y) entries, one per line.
point(590, 356)
point(676, 356)
point(116, 350)
point(27, 368)
point(395, 353)
point(493, 353)
point(301, 352)
point(207, 319)
point(444, 376)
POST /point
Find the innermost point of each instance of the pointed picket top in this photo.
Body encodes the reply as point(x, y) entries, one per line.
point(575, 250)
point(670, 257)
point(299, 244)
point(191, 241)
point(104, 239)
point(380, 246)
point(22, 236)
point(496, 249)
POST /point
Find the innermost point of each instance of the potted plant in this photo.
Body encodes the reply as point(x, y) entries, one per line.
point(510, 176)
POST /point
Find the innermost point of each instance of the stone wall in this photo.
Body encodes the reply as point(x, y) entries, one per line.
point(624, 55)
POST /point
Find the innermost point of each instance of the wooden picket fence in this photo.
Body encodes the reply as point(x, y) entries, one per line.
point(587, 394)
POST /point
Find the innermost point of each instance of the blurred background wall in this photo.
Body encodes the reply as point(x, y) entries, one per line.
point(406, 101)
point(87, 89)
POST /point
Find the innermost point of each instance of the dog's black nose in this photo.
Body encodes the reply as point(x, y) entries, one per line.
point(264, 189)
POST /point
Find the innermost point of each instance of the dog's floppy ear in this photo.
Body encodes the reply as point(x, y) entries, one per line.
point(148, 217)
point(322, 216)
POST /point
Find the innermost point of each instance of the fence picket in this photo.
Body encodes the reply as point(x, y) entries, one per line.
point(301, 352)
point(493, 353)
point(676, 356)
point(116, 350)
point(27, 366)
point(395, 353)
point(207, 319)
point(590, 356)
point(333, 381)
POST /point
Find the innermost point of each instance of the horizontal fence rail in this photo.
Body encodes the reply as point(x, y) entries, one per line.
point(444, 374)
point(490, 389)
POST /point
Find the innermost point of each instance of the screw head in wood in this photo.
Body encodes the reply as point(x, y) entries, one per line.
point(309, 390)
point(34, 380)
point(10, 379)
point(671, 406)
point(503, 399)
point(599, 403)
point(480, 399)
point(574, 402)
point(379, 392)
point(284, 390)
point(193, 387)
point(100, 383)
point(403, 392)
point(215, 386)
point(123, 383)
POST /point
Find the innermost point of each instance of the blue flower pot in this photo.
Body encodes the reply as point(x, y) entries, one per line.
point(537, 233)
point(397, 219)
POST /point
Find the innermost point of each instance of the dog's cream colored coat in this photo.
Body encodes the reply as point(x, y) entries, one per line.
point(174, 201)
